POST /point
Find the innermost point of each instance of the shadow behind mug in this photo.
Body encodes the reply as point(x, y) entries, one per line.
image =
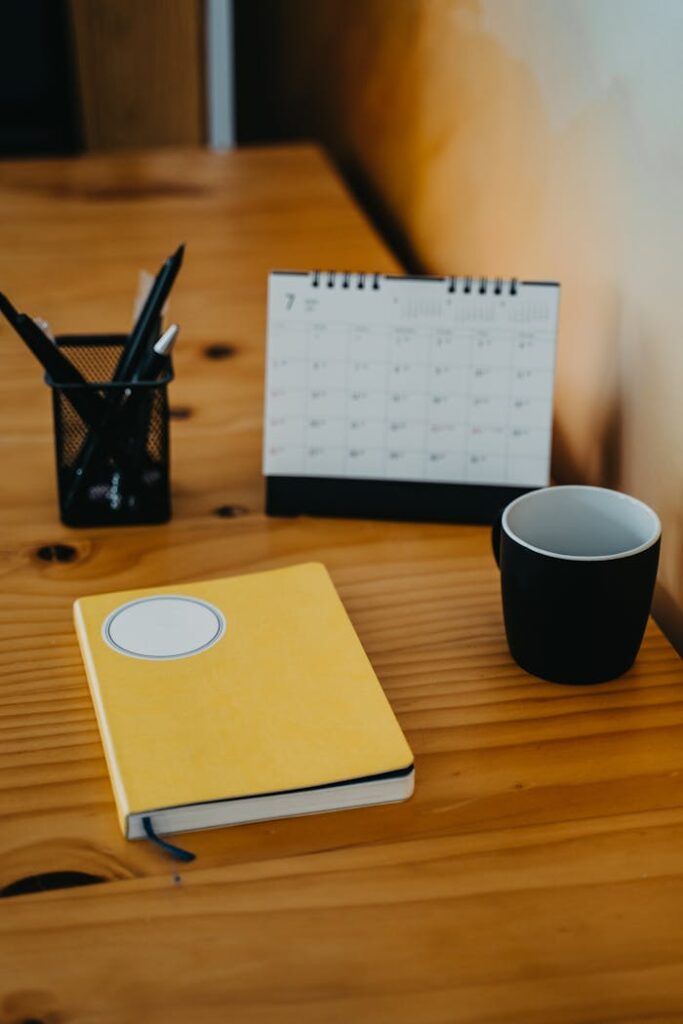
point(578, 567)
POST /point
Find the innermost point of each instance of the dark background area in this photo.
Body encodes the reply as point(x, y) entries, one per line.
point(42, 111)
point(38, 102)
point(83, 75)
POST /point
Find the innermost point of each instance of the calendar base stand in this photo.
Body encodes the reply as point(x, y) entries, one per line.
point(387, 499)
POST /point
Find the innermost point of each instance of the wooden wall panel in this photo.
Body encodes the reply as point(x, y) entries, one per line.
point(140, 72)
point(515, 137)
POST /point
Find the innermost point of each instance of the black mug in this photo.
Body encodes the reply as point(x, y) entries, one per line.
point(578, 568)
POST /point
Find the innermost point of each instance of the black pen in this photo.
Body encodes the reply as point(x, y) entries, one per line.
point(8, 309)
point(152, 367)
point(134, 351)
point(155, 360)
point(61, 371)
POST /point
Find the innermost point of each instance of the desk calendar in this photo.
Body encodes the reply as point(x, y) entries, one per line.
point(407, 397)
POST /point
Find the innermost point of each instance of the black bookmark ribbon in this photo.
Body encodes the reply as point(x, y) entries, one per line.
point(174, 851)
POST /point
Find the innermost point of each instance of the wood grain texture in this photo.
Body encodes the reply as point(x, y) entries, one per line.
point(536, 876)
point(140, 72)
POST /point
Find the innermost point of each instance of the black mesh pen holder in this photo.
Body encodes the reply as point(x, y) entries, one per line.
point(111, 439)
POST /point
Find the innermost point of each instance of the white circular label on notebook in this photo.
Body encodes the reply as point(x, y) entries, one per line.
point(164, 627)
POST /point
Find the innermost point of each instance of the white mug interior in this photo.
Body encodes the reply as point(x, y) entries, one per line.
point(581, 523)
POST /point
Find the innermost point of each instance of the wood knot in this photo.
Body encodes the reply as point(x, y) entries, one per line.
point(50, 880)
point(57, 553)
point(180, 412)
point(230, 511)
point(219, 351)
point(29, 1006)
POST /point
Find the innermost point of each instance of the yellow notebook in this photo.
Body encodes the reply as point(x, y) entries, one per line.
point(238, 700)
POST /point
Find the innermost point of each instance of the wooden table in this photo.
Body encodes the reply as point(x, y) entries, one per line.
point(536, 876)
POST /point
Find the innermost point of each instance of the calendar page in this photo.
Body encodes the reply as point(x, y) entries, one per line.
point(381, 377)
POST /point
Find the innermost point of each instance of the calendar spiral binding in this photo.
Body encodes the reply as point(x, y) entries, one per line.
point(345, 279)
point(483, 285)
point(456, 285)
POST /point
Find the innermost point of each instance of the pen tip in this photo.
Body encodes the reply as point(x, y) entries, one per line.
point(167, 340)
point(180, 251)
point(44, 327)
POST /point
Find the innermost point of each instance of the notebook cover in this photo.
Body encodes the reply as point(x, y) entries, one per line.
point(286, 698)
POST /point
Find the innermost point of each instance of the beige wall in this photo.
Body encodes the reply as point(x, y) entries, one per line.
point(534, 138)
